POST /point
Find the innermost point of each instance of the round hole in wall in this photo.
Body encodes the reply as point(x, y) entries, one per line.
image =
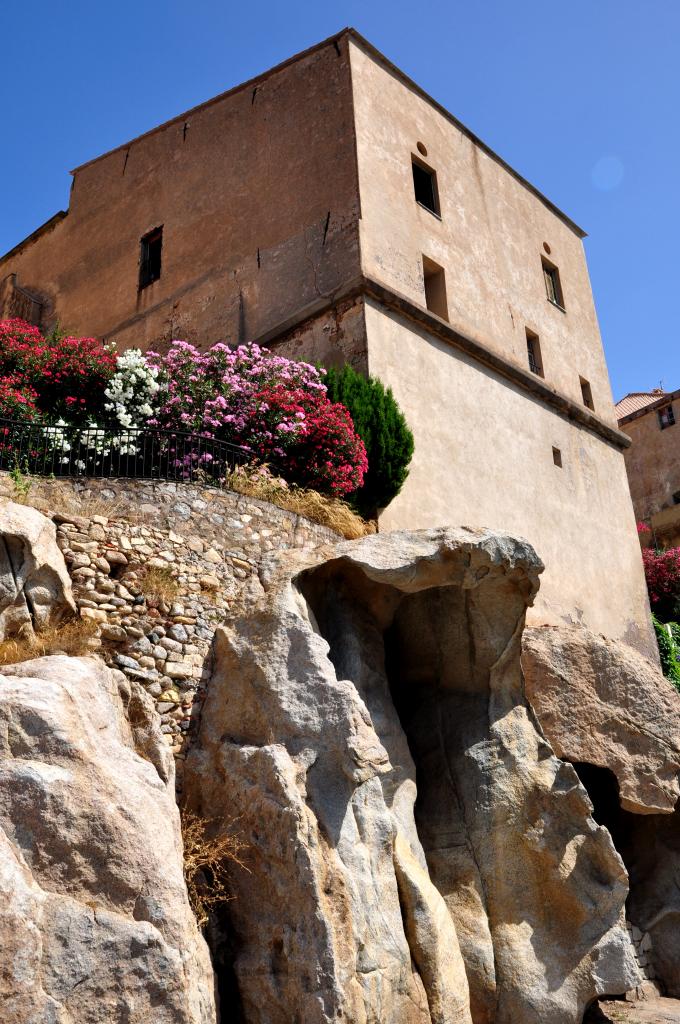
point(546, 247)
point(422, 148)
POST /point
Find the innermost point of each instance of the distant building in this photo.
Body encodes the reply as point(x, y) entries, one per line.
point(332, 210)
point(651, 419)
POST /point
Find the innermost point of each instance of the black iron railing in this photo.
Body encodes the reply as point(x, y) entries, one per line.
point(37, 449)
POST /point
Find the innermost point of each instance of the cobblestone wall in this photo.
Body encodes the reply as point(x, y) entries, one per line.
point(159, 576)
point(644, 954)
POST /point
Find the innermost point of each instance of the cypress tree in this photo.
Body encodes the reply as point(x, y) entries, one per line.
point(381, 425)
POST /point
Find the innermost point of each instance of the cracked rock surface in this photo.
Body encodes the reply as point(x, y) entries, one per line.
point(601, 702)
point(35, 588)
point(416, 854)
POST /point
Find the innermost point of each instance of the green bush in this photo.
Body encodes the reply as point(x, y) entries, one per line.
point(381, 425)
point(669, 649)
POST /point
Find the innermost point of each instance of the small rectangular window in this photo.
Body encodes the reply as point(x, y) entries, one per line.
point(150, 257)
point(586, 393)
point(557, 457)
point(666, 417)
point(534, 353)
point(425, 186)
point(435, 288)
point(553, 285)
point(676, 498)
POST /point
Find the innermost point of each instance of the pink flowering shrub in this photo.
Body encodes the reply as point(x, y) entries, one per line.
point(275, 408)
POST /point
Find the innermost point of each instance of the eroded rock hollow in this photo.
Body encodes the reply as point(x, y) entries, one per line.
point(416, 853)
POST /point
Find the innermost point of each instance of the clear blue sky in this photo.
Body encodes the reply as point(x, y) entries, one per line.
point(583, 98)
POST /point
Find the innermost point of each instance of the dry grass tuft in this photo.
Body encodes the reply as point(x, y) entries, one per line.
point(207, 860)
point(58, 496)
point(158, 584)
point(71, 637)
point(58, 500)
point(330, 512)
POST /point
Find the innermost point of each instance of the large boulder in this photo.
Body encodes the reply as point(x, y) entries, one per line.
point(95, 924)
point(415, 853)
point(602, 703)
point(608, 710)
point(35, 588)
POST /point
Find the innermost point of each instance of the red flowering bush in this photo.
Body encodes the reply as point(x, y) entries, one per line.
point(17, 402)
point(316, 439)
point(68, 375)
point(662, 572)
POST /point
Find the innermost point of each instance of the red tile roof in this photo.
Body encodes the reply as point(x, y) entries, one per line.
point(637, 400)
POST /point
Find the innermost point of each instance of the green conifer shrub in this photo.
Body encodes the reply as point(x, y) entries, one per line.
point(381, 425)
point(667, 636)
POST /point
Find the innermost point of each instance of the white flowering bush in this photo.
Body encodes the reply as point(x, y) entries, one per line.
point(132, 390)
point(57, 440)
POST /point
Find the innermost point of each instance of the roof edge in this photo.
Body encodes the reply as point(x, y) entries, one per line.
point(403, 77)
point(668, 396)
point(43, 229)
point(249, 83)
point(380, 57)
point(369, 288)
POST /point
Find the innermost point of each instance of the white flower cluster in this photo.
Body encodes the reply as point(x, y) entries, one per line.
point(56, 440)
point(132, 389)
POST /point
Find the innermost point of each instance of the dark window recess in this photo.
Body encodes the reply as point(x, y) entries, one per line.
point(534, 354)
point(676, 498)
point(587, 393)
point(425, 187)
point(553, 285)
point(557, 457)
point(666, 417)
point(435, 288)
point(150, 258)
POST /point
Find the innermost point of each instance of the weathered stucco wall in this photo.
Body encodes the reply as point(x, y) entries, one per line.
point(257, 195)
point(653, 462)
point(489, 239)
point(332, 337)
point(485, 458)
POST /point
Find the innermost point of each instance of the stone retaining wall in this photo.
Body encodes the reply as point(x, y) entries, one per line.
point(644, 954)
point(202, 544)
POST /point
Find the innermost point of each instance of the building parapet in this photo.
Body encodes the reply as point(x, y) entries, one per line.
point(370, 288)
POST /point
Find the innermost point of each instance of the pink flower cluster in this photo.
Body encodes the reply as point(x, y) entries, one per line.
point(276, 408)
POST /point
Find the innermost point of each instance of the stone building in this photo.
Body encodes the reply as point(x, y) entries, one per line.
point(332, 210)
point(653, 461)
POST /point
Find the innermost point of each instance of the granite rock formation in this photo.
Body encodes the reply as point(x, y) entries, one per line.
point(416, 852)
point(95, 924)
point(602, 703)
point(35, 588)
point(613, 715)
